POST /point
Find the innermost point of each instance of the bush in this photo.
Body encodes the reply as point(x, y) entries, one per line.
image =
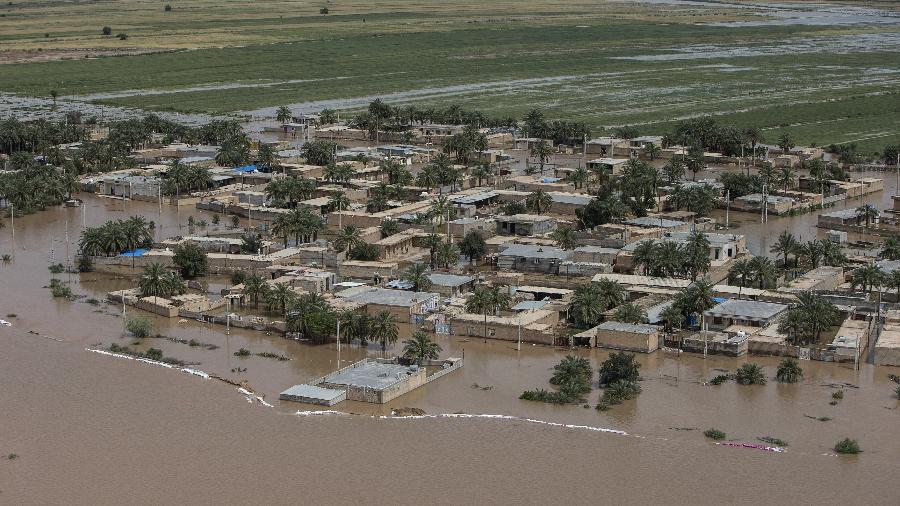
point(750, 374)
point(619, 366)
point(714, 434)
point(122, 36)
point(243, 352)
point(168, 8)
point(190, 259)
point(789, 371)
point(238, 277)
point(57, 268)
point(85, 264)
point(60, 289)
point(154, 354)
point(617, 393)
point(107, 31)
point(773, 441)
point(323, 10)
point(897, 392)
point(718, 380)
point(847, 446)
point(139, 326)
point(542, 395)
point(837, 395)
point(216, 219)
point(7, 258)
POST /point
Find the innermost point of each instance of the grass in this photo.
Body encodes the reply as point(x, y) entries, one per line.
point(243, 352)
point(773, 441)
point(364, 50)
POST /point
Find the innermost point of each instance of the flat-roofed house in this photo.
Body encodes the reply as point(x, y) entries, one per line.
point(750, 313)
point(531, 258)
point(525, 224)
point(407, 306)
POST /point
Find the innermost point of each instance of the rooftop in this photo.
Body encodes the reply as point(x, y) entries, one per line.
point(636, 328)
point(750, 309)
point(384, 296)
point(648, 221)
point(442, 279)
point(369, 374)
point(531, 251)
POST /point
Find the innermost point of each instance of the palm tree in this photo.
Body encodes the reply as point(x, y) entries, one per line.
point(890, 249)
point(785, 245)
point(673, 317)
point(417, 274)
point(674, 170)
point(539, 201)
point(644, 255)
point(696, 254)
point(481, 172)
point(651, 151)
point(789, 371)
point(283, 114)
point(542, 151)
point(812, 252)
point(486, 299)
point(578, 177)
point(255, 287)
point(893, 281)
point(565, 238)
point(447, 254)
point(868, 278)
point(786, 178)
point(750, 374)
point(153, 281)
point(867, 212)
point(612, 293)
point(587, 306)
point(421, 348)
point(764, 272)
point(339, 202)
point(279, 298)
point(630, 313)
point(348, 238)
point(742, 271)
point(383, 329)
point(433, 241)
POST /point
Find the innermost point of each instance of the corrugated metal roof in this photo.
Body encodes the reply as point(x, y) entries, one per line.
point(744, 308)
point(313, 392)
point(636, 328)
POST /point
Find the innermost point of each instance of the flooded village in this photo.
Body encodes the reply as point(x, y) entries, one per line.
point(399, 301)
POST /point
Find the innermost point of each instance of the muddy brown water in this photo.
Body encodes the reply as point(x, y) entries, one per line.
point(108, 429)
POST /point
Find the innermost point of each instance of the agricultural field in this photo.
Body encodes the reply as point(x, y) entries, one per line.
point(825, 72)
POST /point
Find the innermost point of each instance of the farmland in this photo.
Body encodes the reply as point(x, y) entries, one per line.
point(606, 63)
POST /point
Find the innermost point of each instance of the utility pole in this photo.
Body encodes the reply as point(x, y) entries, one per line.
point(727, 206)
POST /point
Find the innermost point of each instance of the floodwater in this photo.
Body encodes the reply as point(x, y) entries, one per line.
point(109, 429)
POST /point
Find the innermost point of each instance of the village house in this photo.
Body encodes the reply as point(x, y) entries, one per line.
point(528, 258)
point(529, 326)
point(525, 224)
point(742, 312)
point(406, 306)
point(615, 335)
point(607, 166)
point(451, 285)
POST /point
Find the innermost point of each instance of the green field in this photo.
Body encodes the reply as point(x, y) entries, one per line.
point(607, 63)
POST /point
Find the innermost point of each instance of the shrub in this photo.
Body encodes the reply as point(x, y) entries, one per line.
point(542, 395)
point(619, 392)
point(750, 374)
point(122, 36)
point(838, 395)
point(323, 10)
point(714, 434)
point(154, 354)
point(847, 446)
point(235, 221)
point(718, 380)
point(7, 258)
point(190, 259)
point(243, 352)
point(897, 392)
point(238, 277)
point(139, 326)
point(789, 371)
point(215, 219)
point(12, 456)
point(619, 366)
point(107, 31)
point(60, 289)
point(167, 8)
point(57, 268)
point(773, 440)
point(85, 264)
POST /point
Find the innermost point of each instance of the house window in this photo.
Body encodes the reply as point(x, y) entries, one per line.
point(491, 332)
point(718, 320)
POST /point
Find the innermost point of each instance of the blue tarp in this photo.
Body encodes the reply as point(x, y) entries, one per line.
point(246, 168)
point(550, 179)
point(718, 300)
point(135, 253)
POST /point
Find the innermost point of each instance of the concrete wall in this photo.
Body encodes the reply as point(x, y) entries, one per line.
point(630, 341)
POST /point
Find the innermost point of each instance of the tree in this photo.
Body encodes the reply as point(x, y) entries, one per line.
point(279, 298)
point(473, 245)
point(630, 313)
point(107, 30)
point(651, 151)
point(619, 367)
point(256, 288)
point(750, 374)
point(417, 274)
point(785, 142)
point(890, 249)
point(602, 209)
point(283, 114)
point(542, 151)
point(328, 116)
point(764, 272)
point(695, 299)
point(565, 238)
point(789, 371)
point(787, 178)
point(673, 317)
point(812, 252)
point(319, 152)
point(383, 329)
point(348, 238)
point(139, 326)
point(481, 172)
point(787, 244)
point(593, 299)
point(421, 348)
point(157, 282)
point(742, 272)
point(487, 299)
point(805, 322)
point(674, 170)
point(868, 278)
point(389, 227)
point(447, 254)
point(696, 252)
point(190, 258)
point(866, 212)
point(578, 177)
